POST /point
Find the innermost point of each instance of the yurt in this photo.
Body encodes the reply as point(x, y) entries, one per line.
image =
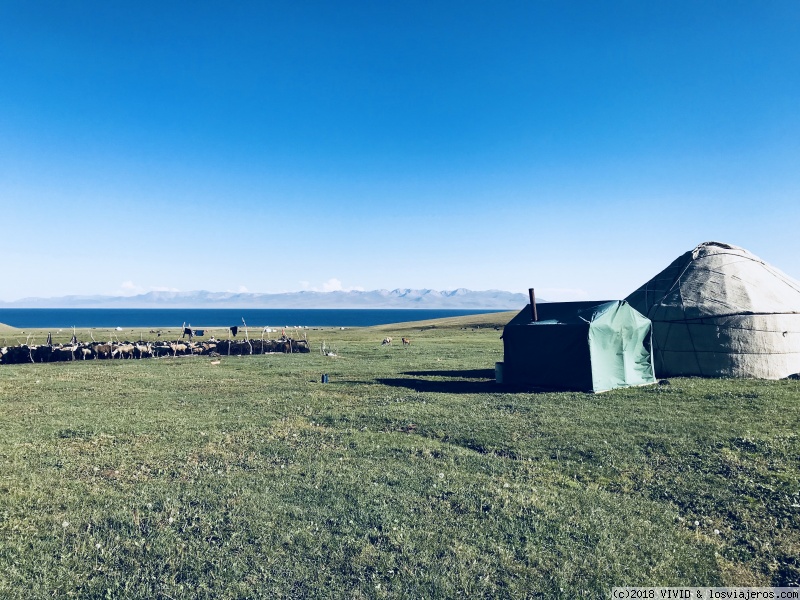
point(720, 311)
point(581, 346)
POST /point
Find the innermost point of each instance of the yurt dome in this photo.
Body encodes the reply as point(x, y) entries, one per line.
point(720, 311)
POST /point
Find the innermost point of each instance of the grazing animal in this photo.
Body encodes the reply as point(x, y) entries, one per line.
point(406, 341)
point(102, 351)
point(143, 351)
point(62, 353)
point(387, 341)
point(208, 347)
point(160, 350)
point(40, 353)
point(123, 351)
point(179, 349)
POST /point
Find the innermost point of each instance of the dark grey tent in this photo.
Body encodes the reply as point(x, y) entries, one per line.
point(583, 346)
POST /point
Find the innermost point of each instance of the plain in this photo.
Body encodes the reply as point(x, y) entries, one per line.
point(410, 474)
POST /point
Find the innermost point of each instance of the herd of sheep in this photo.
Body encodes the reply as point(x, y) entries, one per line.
point(127, 350)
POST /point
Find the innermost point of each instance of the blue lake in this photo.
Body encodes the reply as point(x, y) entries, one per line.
point(218, 317)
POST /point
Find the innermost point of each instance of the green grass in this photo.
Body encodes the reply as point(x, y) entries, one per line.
point(409, 475)
point(6, 330)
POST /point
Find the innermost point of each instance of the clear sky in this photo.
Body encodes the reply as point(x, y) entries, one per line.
point(576, 147)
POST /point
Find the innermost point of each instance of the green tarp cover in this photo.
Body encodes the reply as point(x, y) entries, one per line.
point(585, 346)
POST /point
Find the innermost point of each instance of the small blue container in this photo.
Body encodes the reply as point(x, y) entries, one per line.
point(325, 378)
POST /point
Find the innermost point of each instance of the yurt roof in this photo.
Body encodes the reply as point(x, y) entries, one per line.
point(716, 279)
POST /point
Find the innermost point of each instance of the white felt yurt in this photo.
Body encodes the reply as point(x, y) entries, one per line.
point(720, 311)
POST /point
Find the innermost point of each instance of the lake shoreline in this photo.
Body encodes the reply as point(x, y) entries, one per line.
point(43, 318)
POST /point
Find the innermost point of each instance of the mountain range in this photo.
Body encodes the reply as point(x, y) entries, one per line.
point(398, 298)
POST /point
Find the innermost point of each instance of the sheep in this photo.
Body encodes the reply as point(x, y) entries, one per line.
point(178, 348)
point(103, 351)
point(124, 351)
point(143, 351)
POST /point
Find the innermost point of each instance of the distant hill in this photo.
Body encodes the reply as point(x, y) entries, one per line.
point(398, 298)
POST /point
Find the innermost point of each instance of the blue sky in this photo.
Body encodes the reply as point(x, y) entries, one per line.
point(576, 147)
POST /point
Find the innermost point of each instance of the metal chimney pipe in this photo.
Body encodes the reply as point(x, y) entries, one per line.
point(532, 297)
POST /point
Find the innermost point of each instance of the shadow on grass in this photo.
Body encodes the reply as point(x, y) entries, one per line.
point(444, 387)
point(464, 387)
point(465, 374)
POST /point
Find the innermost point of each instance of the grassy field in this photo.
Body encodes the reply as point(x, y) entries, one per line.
point(409, 475)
